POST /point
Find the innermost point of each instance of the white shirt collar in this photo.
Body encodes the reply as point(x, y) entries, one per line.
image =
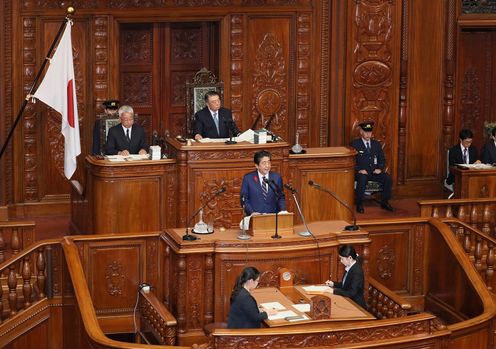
point(349, 267)
point(261, 176)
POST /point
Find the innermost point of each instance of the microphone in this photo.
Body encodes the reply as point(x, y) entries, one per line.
point(188, 236)
point(277, 193)
point(256, 121)
point(290, 188)
point(228, 124)
point(334, 195)
point(267, 124)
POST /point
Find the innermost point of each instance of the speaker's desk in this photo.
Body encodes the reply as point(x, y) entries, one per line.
point(199, 275)
point(342, 308)
point(474, 182)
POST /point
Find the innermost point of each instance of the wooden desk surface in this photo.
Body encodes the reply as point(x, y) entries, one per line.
point(327, 232)
point(342, 309)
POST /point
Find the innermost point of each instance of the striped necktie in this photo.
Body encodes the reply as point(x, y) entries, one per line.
point(465, 157)
point(264, 188)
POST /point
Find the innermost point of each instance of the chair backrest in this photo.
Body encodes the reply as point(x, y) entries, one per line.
point(203, 82)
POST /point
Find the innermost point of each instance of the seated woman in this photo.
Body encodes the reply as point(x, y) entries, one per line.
point(352, 284)
point(244, 312)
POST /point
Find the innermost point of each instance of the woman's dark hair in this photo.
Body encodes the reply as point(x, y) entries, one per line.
point(349, 251)
point(248, 273)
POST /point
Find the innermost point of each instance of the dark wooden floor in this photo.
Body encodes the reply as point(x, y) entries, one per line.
point(58, 226)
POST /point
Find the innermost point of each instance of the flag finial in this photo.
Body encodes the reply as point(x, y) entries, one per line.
point(70, 10)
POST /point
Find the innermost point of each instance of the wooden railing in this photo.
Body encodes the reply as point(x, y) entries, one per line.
point(479, 213)
point(157, 324)
point(479, 247)
point(385, 304)
point(24, 276)
point(14, 237)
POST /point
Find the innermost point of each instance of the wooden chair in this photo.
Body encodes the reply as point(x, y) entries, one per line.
point(203, 82)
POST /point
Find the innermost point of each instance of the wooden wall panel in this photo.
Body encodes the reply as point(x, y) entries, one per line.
point(425, 76)
point(113, 275)
point(476, 82)
point(373, 72)
point(269, 71)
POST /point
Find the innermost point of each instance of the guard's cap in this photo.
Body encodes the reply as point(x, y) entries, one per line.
point(367, 125)
point(111, 104)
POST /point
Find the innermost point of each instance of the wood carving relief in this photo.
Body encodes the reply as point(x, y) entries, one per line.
point(30, 126)
point(303, 88)
point(101, 55)
point(137, 46)
point(237, 49)
point(270, 83)
point(325, 339)
point(372, 67)
point(195, 280)
point(186, 47)
point(137, 89)
point(418, 270)
point(221, 210)
point(470, 100)
point(114, 277)
point(478, 6)
point(385, 262)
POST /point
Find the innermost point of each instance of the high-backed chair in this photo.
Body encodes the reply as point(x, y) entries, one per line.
point(450, 187)
point(203, 82)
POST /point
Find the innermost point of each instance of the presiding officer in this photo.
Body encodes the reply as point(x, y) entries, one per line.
point(214, 121)
point(127, 137)
point(370, 163)
point(259, 195)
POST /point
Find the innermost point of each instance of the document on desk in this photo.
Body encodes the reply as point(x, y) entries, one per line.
point(476, 166)
point(316, 288)
point(131, 157)
point(304, 308)
point(273, 305)
point(282, 315)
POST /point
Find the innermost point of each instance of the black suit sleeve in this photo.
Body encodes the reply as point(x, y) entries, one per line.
point(353, 285)
point(111, 147)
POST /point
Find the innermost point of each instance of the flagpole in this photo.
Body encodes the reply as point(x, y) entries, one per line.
point(69, 13)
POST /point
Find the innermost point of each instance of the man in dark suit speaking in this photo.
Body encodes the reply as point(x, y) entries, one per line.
point(127, 137)
point(370, 164)
point(259, 195)
point(214, 121)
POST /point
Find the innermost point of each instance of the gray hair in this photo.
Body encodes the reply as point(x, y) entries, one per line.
point(126, 109)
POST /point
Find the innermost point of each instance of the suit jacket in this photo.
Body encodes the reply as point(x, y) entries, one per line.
point(353, 285)
point(116, 140)
point(244, 312)
point(366, 160)
point(205, 126)
point(456, 157)
point(251, 193)
point(489, 153)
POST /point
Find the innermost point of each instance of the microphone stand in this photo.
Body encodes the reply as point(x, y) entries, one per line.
point(293, 192)
point(352, 227)
point(188, 236)
point(228, 124)
point(256, 121)
point(276, 235)
point(243, 235)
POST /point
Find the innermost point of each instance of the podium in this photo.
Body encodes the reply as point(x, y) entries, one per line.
point(264, 225)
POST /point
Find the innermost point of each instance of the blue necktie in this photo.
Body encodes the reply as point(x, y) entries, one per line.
point(264, 189)
point(367, 144)
point(216, 120)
